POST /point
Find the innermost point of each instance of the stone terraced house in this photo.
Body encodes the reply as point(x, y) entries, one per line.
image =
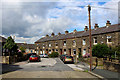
point(29, 48)
point(2, 42)
point(77, 42)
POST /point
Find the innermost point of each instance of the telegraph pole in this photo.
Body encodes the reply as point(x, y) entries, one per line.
point(89, 9)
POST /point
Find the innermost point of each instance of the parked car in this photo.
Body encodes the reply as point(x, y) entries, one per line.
point(43, 55)
point(62, 56)
point(29, 54)
point(67, 59)
point(34, 58)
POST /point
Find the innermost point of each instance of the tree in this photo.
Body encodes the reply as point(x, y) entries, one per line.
point(117, 49)
point(100, 50)
point(11, 46)
point(22, 49)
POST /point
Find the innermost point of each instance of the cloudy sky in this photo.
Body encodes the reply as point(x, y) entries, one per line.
point(30, 20)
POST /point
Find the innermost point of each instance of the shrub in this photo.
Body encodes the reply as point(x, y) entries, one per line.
point(54, 54)
point(100, 50)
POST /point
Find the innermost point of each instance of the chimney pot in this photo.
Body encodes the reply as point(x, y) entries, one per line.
point(86, 28)
point(75, 31)
point(47, 35)
point(96, 26)
point(52, 34)
point(108, 23)
point(66, 32)
point(59, 33)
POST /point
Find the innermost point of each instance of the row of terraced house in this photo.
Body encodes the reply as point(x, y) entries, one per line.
point(77, 42)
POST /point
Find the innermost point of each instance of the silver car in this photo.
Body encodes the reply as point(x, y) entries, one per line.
point(43, 55)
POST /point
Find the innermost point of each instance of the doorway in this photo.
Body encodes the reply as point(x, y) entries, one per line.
point(79, 52)
point(70, 51)
point(60, 51)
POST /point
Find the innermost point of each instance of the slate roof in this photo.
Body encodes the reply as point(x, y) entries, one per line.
point(101, 30)
point(2, 39)
point(25, 45)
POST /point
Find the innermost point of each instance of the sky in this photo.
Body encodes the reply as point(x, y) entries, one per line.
point(30, 20)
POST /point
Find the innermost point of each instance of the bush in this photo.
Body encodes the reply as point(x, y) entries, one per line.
point(100, 50)
point(54, 54)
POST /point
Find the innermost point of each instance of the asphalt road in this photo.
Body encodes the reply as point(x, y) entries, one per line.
point(59, 66)
point(53, 68)
point(45, 65)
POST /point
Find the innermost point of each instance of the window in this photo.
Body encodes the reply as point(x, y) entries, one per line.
point(40, 51)
point(49, 51)
point(49, 45)
point(43, 45)
point(109, 39)
point(56, 50)
point(74, 43)
point(84, 43)
point(43, 52)
point(95, 40)
point(56, 44)
point(84, 52)
point(64, 51)
point(64, 43)
point(74, 51)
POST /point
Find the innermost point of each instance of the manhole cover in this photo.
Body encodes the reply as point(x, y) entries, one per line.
point(41, 66)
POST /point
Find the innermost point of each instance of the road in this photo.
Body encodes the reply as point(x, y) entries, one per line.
point(47, 68)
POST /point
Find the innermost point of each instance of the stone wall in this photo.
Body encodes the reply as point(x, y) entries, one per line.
point(8, 60)
point(5, 59)
point(100, 61)
point(112, 66)
point(108, 64)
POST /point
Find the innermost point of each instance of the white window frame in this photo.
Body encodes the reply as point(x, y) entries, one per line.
point(74, 50)
point(41, 52)
point(94, 40)
point(84, 42)
point(49, 51)
point(49, 45)
point(64, 43)
point(109, 37)
point(56, 44)
point(84, 52)
point(56, 50)
point(74, 43)
point(43, 45)
point(64, 51)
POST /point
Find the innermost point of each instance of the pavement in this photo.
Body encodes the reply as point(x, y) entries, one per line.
point(100, 73)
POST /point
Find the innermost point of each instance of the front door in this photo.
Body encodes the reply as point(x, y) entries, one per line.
point(70, 52)
point(60, 51)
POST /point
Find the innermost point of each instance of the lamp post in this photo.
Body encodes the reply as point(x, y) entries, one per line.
point(89, 9)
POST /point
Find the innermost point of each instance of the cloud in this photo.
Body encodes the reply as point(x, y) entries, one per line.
point(29, 21)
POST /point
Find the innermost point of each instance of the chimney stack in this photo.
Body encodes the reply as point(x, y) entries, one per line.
point(108, 23)
point(59, 33)
point(52, 34)
point(86, 28)
point(66, 32)
point(75, 31)
point(96, 26)
point(47, 35)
